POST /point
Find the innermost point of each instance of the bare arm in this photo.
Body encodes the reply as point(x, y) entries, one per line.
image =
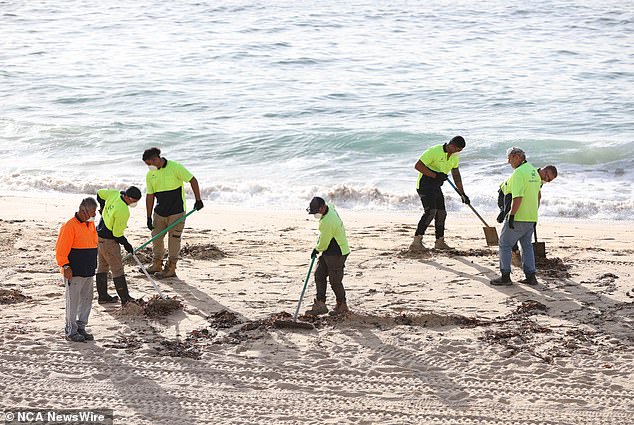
point(455, 173)
point(194, 183)
point(516, 205)
point(149, 203)
point(422, 168)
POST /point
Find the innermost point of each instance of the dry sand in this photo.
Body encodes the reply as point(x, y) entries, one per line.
point(429, 340)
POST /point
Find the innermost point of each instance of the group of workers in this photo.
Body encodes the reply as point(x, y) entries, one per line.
point(518, 199)
point(82, 247)
point(86, 253)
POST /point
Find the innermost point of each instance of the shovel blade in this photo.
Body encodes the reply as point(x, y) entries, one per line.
point(491, 235)
point(539, 249)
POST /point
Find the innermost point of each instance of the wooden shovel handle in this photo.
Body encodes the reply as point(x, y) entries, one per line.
point(470, 206)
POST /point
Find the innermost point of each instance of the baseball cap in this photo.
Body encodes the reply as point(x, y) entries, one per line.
point(315, 204)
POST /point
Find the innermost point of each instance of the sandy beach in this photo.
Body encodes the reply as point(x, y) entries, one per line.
point(429, 341)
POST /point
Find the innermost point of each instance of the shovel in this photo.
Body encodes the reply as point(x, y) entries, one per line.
point(490, 233)
point(294, 323)
point(539, 248)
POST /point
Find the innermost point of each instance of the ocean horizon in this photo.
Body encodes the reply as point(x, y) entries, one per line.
point(271, 104)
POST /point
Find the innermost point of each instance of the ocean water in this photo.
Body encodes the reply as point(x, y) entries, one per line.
point(270, 103)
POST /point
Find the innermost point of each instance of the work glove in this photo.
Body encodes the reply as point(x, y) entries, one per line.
point(441, 176)
point(149, 223)
point(314, 254)
point(501, 216)
point(500, 199)
point(128, 247)
point(511, 221)
point(465, 199)
point(198, 205)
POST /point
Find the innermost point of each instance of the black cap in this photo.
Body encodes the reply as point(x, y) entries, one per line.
point(133, 192)
point(315, 204)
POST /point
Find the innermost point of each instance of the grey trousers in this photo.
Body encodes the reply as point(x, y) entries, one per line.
point(78, 302)
point(330, 266)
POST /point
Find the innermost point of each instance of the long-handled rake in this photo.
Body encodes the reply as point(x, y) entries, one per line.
point(294, 323)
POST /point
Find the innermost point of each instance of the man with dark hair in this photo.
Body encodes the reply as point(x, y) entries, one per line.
point(115, 213)
point(433, 166)
point(334, 249)
point(164, 181)
point(76, 255)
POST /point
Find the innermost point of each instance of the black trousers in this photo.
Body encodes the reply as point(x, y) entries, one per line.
point(331, 267)
point(433, 202)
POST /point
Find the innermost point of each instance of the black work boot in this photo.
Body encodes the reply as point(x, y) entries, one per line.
point(86, 335)
point(503, 280)
point(121, 286)
point(530, 280)
point(101, 279)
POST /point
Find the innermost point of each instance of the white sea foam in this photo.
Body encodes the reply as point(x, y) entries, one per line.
point(275, 103)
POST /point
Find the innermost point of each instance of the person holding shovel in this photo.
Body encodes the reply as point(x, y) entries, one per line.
point(546, 174)
point(115, 212)
point(76, 255)
point(334, 250)
point(433, 166)
point(164, 183)
point(524, 186)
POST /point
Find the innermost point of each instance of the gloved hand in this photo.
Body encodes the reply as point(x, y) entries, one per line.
point(149, 223)
point(501, 216)
point(441, 176)
point(128, 247)
point(511, 221)
point(465, 199)
point(198, 205)
point(314, 254)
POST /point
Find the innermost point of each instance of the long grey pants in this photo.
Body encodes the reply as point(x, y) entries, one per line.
point(78, 302)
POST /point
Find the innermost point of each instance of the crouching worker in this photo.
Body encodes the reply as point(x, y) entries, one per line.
point(76, 254)
point(115, 213)
point(333, 246)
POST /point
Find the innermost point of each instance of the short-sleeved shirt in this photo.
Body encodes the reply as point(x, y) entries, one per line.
point(525, 183)
point(436, 159)
point(166, 184)
point(115, 214)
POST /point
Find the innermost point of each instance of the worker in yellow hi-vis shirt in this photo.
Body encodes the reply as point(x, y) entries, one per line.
point(433, 166)
point(164, 183)
point(115, 212)
point(334, 250)
point(524, 185)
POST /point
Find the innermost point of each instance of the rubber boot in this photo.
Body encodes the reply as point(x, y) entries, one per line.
point(340, 308)
point(417, 244)
point(440, 244)
point(318, 308)
point(168, 271)
point(122, 289)
point(530, 280)
point(157, 266)
point(516, 258)
point(503, 280)
point(101, 280)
